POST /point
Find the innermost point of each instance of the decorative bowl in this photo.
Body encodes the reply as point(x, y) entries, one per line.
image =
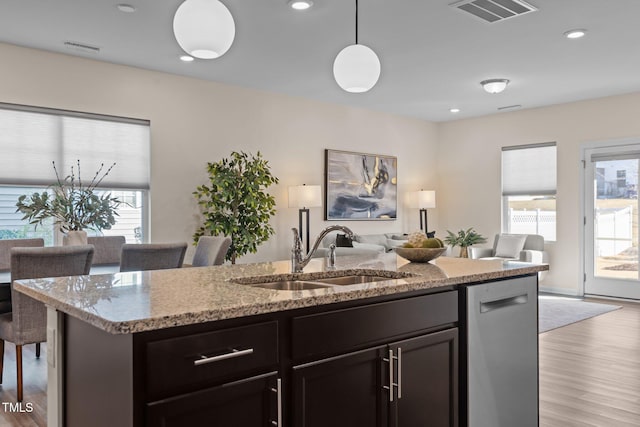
point(420, 254)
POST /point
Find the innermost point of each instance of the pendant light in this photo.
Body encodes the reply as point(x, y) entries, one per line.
point(357, 67)
point(204, 28)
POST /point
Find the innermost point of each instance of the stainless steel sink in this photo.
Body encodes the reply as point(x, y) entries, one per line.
point(290, 285)
point(351, 280)
point(297, 283)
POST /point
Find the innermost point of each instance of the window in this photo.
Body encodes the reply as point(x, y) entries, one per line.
point(31, 138)
point(529, 189)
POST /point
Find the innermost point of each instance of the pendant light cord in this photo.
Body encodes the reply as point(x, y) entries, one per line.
point(356, 21)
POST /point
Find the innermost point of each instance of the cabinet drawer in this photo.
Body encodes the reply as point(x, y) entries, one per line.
point(346, 330)
point(248, 402)
point(185, 363)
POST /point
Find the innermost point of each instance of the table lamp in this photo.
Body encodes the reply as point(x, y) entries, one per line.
point(304, 197)
point(426, 200)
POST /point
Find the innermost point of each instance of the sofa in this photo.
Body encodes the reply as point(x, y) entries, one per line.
point(362, 244)
point(521, 247)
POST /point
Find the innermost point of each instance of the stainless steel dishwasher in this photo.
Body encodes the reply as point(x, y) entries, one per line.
point(502, 353)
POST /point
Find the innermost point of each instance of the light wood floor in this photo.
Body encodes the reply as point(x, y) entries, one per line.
point(35, 387)
point(589, 374)
point(590, 371)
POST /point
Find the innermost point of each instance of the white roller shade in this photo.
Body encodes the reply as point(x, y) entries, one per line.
point(31, 138)
point(529, 169)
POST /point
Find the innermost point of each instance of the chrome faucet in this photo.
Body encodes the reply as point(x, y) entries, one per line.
point(298, 261)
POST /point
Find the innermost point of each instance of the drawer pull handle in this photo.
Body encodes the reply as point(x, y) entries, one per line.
point(234, 353)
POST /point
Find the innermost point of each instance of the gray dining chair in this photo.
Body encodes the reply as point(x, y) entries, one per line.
point(5, 266)
point(107, 249)
point(211, 250)
point(152, 256)
point(7, 244)
point(27, 322)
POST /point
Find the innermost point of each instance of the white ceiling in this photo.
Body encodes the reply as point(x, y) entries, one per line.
point(433, 56)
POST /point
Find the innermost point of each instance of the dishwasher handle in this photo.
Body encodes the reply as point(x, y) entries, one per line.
point(485, 307)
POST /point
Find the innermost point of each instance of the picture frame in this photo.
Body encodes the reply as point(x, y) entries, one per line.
point(360, 186)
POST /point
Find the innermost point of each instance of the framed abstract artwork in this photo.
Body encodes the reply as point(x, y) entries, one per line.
point(360, 186)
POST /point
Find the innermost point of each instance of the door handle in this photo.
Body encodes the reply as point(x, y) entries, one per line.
point(503, 302)
point(391, 379)
point(278, 391)
point(399, 373)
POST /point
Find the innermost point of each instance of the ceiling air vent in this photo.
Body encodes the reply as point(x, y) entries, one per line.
point(494, 10)
point(81, 47)
point(510, 107)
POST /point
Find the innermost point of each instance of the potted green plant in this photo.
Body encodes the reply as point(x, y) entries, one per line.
point(73, 205)
point(236, 204)
point(464, 239)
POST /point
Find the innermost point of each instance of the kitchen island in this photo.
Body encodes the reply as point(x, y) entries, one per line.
point(181, 347)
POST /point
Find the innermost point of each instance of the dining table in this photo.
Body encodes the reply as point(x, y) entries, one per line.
point(5, 283)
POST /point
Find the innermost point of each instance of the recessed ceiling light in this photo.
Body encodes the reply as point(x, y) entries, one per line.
point(300, 4)
point(126, 8)
point(494, 85)
point(454, 110)
point(186, 58)
point(575, 34)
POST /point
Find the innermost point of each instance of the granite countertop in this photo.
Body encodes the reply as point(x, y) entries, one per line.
point(132, 302)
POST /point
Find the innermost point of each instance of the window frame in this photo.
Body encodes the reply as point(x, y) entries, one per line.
point(504, 199)
point(134, 131)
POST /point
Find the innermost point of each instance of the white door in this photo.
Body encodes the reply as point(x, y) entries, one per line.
point(611, 221)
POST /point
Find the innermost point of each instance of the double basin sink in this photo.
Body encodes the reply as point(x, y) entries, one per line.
point(300, 284)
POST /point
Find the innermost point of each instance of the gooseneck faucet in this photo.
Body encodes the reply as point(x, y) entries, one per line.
point(298, 260)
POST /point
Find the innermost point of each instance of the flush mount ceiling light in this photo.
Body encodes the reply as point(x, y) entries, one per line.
point(186, 58)
point(454, 110)
point(300, 4)
point(575, 34)
point(494, 85)
point(204, 28)
point(357, 67)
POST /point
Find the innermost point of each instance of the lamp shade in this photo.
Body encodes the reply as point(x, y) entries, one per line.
point(356, 68)
point(494, 85)
point(204, 28)
point(426, 199)
point(305, 196)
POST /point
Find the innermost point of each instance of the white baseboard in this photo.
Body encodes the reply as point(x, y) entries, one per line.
point(612, 298)
point(559, 291)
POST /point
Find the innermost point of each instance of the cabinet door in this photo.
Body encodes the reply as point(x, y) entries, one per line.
point(344, 391)
point(427, 375)
point(247, 403)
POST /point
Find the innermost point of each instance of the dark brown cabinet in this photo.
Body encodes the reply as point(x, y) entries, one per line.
point(388, 362)
point(217, 378)
point(427, 378)
point(251, 402)
point(343, 391)
point(413, 382)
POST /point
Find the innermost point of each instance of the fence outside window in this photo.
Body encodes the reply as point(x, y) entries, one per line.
point(533, 221)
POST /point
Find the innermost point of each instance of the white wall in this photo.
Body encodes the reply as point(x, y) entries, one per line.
point(469, 160)
point(193, 122)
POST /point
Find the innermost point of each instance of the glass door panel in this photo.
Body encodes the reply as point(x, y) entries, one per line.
point(611, 225)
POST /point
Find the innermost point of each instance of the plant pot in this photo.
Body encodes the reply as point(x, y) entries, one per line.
point(464, 252)
point(75, 238)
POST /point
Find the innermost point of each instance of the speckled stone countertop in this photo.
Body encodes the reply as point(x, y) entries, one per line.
point(132, 302)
